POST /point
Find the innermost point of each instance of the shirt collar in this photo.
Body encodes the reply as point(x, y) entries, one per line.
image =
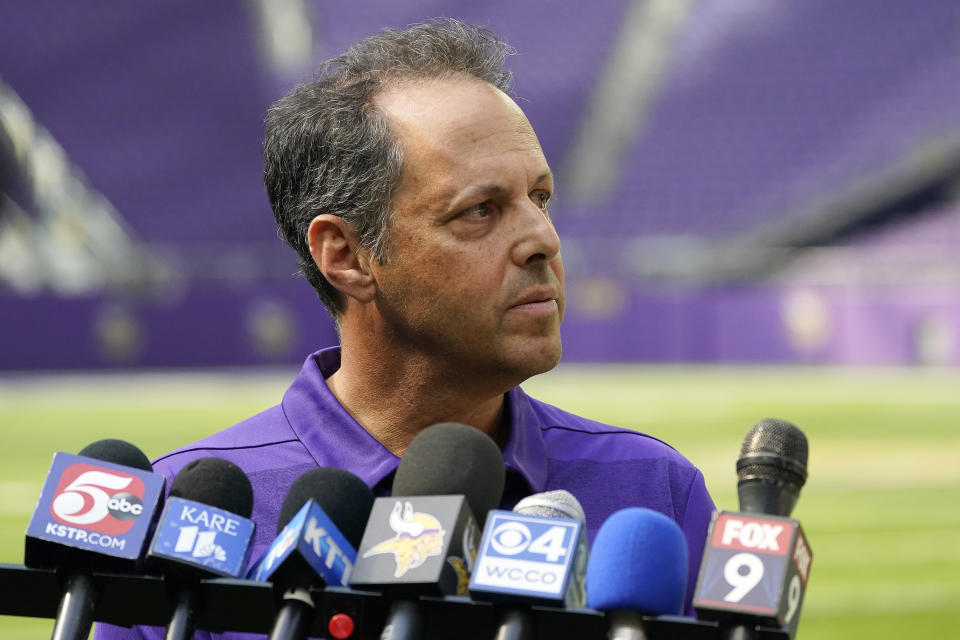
point(335, 439)
point(330, 434)
point(525, 452)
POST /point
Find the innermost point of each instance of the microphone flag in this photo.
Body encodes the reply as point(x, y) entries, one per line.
point(202, 536)
point(528, 559)
point(426, 544)
point(309, 537)
point(754, 564)
point(92, 506)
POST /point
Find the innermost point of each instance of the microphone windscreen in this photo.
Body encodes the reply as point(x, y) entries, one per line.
point(552, 504)
point(215, 482)
point(453, 459)
point(117, 452)
point(774, 451)
point(343, 497)
point(638, 563)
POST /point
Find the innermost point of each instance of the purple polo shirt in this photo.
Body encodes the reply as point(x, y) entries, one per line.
point(606, 468)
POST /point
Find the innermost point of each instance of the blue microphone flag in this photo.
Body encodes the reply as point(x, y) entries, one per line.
point(94, 506)
point(203, 536)
point(315, 538)
point(525, 558)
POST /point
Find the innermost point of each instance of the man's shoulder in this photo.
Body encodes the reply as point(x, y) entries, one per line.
point(247, 440)
point(565, 429)
point(614, 467)
point(610, 468)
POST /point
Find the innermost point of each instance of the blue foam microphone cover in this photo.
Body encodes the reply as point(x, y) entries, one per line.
point(639, 563)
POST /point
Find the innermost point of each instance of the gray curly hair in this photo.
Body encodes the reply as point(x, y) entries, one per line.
point(329, 149)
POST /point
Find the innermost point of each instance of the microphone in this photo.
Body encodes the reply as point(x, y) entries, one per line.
point(772, 468)
point(757, 562)
point(638, 566)
point(423, 539)
point(563, 504)
point(204, 531)
point(94, 513)
point(319, 527)
point(451, 458)
point(536, 554)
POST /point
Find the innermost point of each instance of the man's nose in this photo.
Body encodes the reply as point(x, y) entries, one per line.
point(537, 237)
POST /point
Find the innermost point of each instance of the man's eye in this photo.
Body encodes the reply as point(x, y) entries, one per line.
point(479, 211)
point(541, 198)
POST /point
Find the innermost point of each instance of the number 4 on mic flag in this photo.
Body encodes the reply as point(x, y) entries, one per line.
point(527, 558)
point(754, 565)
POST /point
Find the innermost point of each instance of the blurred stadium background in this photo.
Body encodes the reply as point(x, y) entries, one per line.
point(759, 204)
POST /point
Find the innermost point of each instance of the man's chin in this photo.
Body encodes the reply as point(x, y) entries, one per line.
point(538, 359)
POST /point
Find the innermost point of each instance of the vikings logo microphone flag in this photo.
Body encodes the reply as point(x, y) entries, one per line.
point(419, 536)
point(417, 544)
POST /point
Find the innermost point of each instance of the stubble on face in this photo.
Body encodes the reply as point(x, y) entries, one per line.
point(468, 243)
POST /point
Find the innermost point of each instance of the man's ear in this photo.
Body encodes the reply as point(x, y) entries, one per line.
point(333, 245)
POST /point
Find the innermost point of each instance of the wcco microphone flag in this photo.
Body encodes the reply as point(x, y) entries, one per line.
point(526, 558)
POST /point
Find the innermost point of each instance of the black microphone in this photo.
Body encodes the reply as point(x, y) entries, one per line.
point(451, 458)
point(772, 468)
point(205, 531)
point(536, 554)
point(319, 527)
point(423, 539)
point(95, 512)
point(757, 562)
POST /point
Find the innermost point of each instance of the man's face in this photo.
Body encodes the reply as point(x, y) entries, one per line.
point(472, 276)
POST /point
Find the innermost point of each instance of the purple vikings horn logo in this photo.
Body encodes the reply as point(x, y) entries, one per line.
point(419, 536)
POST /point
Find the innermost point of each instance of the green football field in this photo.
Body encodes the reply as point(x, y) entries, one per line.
point(881, 508)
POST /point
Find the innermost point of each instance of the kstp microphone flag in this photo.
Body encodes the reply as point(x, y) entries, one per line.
point(418, 543)
point(313, 538)
point(93, 506)
point(201, 536)
point(527, 559)
point(756, 565)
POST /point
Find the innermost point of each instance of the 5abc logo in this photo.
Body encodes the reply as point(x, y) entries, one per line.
point(98, 499)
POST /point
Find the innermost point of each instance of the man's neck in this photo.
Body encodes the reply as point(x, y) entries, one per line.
point(395, 397)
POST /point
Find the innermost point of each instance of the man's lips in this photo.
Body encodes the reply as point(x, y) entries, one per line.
point(541, 299)
point(549, 305)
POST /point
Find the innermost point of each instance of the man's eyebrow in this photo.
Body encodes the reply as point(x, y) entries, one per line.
point(488, 190)
point(543, 177)
point(496, 189)
point(492, 190)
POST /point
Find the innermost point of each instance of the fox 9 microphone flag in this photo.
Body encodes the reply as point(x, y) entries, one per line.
point(94, 506)
point(754, 564)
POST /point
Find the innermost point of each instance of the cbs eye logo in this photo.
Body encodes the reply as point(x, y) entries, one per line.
point(512, 538)
point(98, 499)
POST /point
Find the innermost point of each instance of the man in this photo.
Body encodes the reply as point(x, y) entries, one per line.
point(416, 194)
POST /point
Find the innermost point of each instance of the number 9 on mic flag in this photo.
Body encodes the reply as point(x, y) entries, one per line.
point(754, 565)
